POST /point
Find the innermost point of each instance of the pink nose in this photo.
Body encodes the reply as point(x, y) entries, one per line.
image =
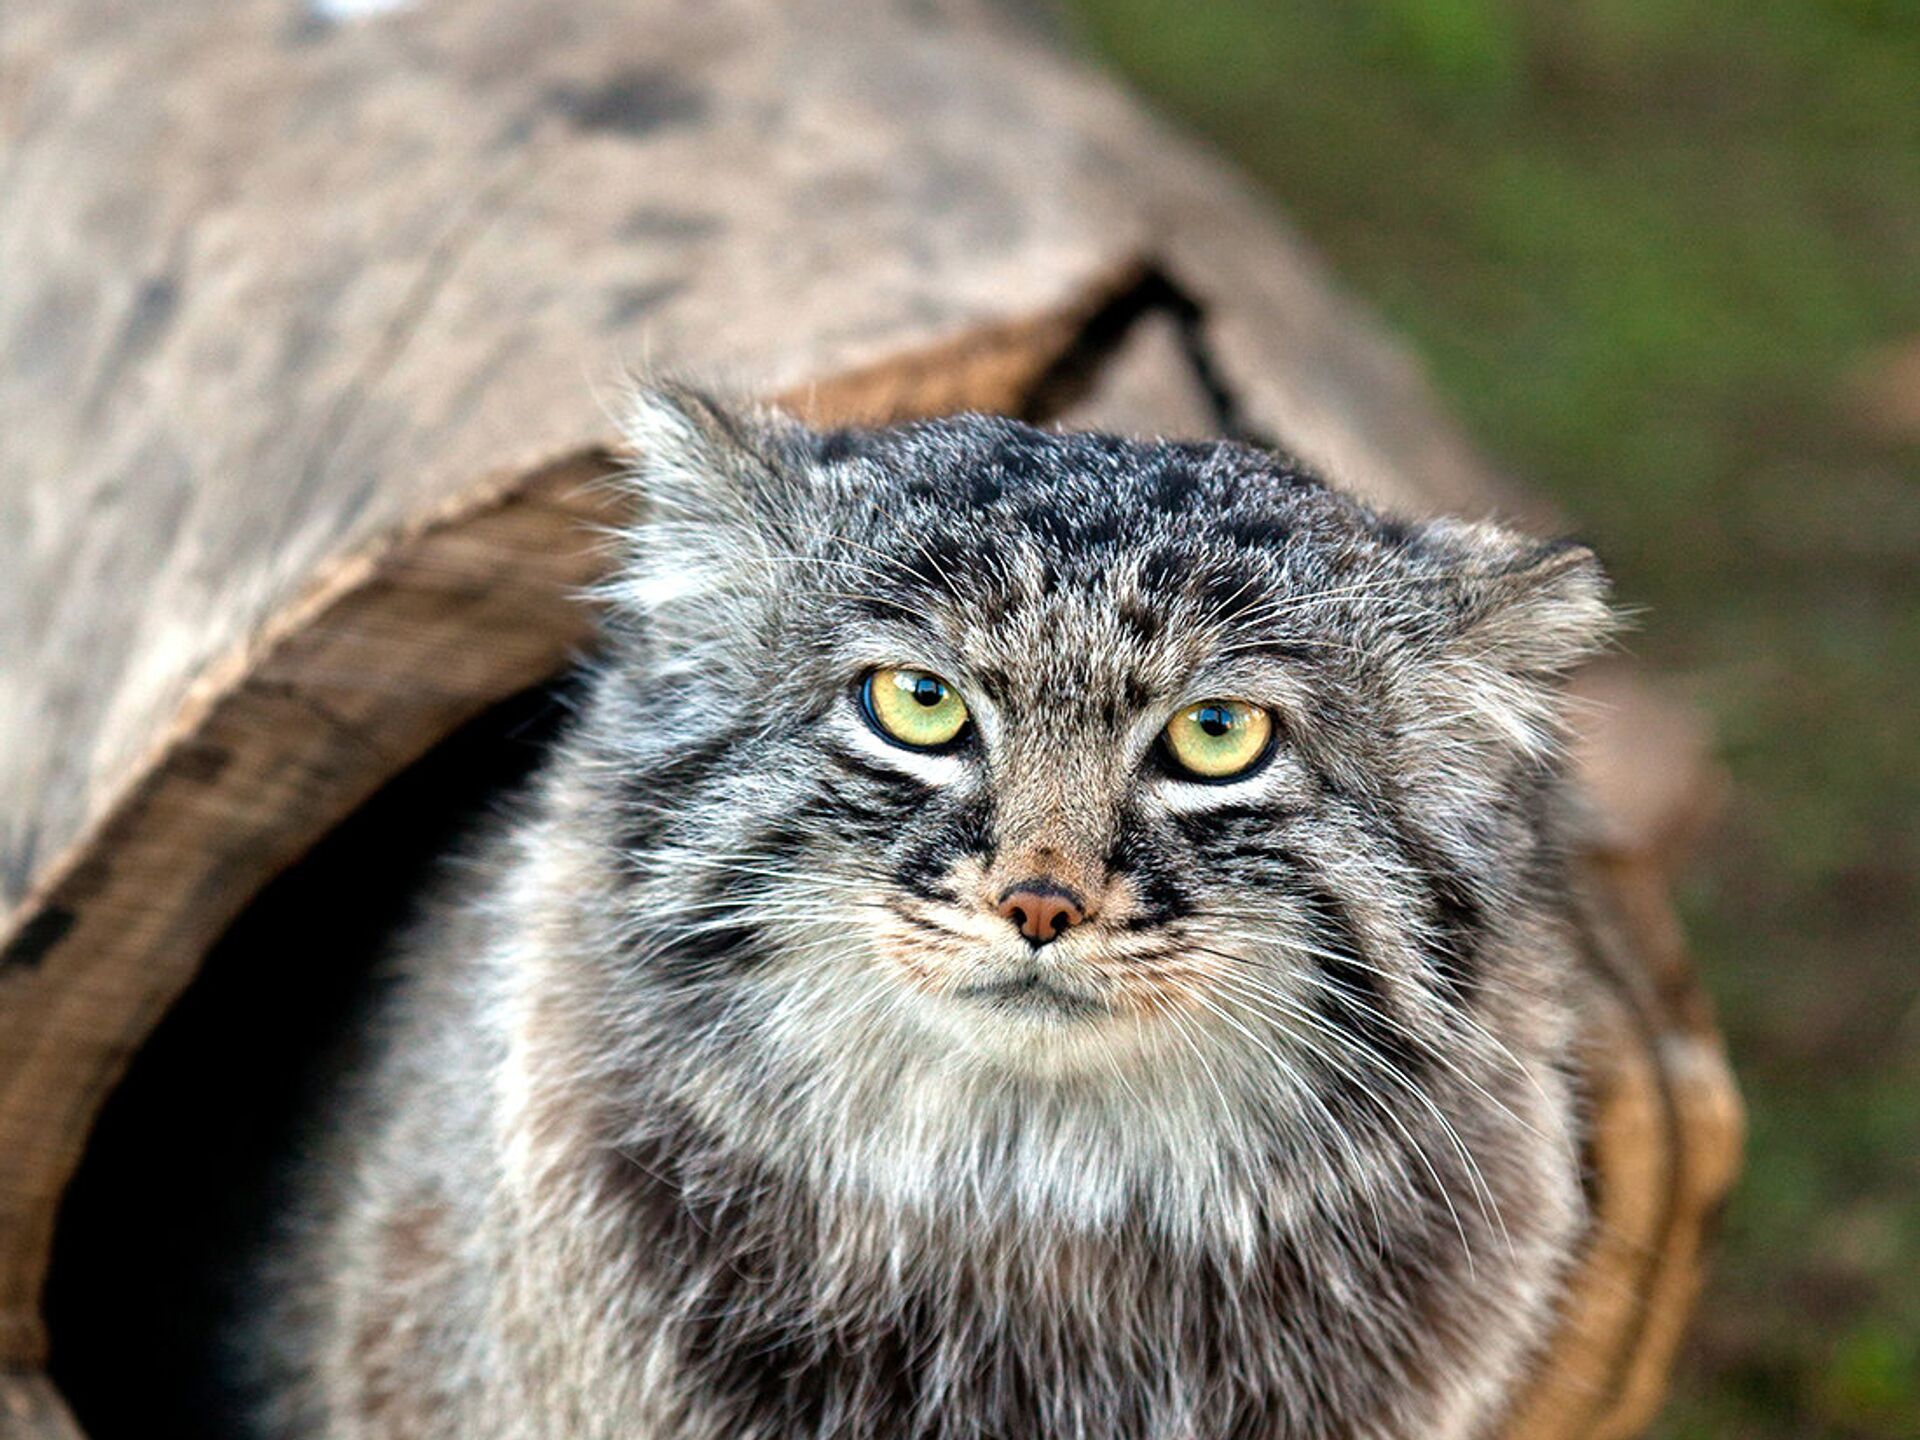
point(1042, 910)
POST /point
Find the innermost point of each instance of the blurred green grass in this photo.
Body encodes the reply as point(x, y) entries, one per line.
point(1648, 250)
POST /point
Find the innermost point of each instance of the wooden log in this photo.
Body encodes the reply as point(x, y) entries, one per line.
point(303, 452)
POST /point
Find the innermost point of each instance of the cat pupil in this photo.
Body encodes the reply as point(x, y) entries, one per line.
point(1215, 722)
point(929, 692)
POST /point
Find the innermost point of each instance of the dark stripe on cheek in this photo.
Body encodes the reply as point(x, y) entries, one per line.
point(1155, 873)
point(931, 844)
point(1459, 924)
point(788, 836)
point(1455, 914)
point(1232, 824)
point(852, 762)
point(1353, 998)
point(650, 793)
point(867, 804)
point(721, 926)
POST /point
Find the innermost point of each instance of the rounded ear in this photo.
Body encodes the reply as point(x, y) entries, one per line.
point(718, 489)
point(1522, 613)
point(691, 454)
point(1534, 608)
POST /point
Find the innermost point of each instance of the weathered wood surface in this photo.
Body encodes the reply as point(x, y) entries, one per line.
point(304, 353)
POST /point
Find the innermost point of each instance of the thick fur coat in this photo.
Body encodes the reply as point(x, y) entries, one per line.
point(724, 1101)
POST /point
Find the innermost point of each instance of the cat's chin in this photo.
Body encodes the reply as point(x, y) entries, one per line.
point(1035, 1027)
point(1034, 997)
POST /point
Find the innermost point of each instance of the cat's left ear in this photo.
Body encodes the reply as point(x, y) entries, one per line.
point(1532, 608)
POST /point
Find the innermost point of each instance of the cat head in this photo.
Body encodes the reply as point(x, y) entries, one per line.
point(1066, 754)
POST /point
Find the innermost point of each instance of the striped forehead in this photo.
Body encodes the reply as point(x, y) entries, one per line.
point(1074, 575)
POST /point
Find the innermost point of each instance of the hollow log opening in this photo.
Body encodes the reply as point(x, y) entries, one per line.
point(198, 1145)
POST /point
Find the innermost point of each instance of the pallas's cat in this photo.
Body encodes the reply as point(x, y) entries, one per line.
point(1028, 935)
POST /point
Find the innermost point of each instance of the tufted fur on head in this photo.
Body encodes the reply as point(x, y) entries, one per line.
point(769, 1122)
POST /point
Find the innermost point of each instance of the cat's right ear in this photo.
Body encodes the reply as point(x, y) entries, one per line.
point(692, 455)
point(715, 486)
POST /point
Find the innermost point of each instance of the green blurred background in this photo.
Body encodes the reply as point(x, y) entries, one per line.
point(1663, 259)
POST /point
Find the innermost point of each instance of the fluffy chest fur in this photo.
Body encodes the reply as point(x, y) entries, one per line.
point(1032, 1283)
point(791, 1314)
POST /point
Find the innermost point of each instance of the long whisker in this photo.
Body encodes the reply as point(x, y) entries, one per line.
point(1452, 1015)
point(1332, 1135)
point(1505, 983)
point(1425, 1045)
point(1287, 1010)
point(1359, 1081)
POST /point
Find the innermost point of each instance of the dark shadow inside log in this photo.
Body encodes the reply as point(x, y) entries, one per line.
point(192, 1154)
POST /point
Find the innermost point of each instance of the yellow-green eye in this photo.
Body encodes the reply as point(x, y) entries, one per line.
point(1218, 739)
point(913, 708)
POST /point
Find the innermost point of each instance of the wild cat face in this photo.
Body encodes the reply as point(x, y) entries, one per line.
point(1064, 754)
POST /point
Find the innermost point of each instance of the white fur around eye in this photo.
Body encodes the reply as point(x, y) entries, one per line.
point(1193, 797)
point(928, 767)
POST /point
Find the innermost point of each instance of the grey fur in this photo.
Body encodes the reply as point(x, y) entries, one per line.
point(715, 1108)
